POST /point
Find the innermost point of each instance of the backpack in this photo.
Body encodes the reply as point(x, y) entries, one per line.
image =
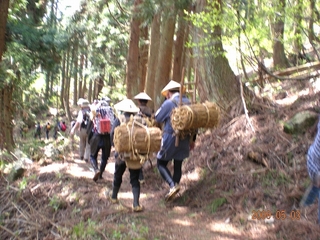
point(104, 120)
point(63, 127)
point(86, 118)
point(90, 129)
point(48, 127)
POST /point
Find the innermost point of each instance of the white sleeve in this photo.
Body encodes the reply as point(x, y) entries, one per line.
point(80, 117)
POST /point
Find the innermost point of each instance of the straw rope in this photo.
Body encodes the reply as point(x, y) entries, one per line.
point(194, 116)
point(208, 114)
point(135, 138)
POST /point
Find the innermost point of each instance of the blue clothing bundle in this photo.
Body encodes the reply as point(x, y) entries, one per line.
point(313, 161)
point(313, 165)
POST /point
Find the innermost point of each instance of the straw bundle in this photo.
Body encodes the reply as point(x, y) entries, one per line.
point(137, 139)
point(199, 115)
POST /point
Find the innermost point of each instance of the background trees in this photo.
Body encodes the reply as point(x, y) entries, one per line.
point(120, 48)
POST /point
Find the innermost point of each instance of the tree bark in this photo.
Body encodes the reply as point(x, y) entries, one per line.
point(153, 57)
point(143, 59)
point(163, 71)
point(297, 42)
point(178, 62)
point(4, 6)
point(132, 78)
point(63, 80)
point(279, 57)
point(216, 80)
point(6, 116)
point(6, 89)
point(73, 72)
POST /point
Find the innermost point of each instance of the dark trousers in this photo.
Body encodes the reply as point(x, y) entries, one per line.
point(165, 173)
point(311, 197)
point(98, 142)
point(120, 168)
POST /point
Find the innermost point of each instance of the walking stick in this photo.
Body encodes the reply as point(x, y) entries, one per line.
point(180, 104)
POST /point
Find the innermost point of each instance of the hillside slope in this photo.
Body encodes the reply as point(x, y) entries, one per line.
point(240, 171)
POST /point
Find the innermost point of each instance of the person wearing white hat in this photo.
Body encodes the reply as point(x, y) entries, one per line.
point(81, 125)
point(128, 109)
point(169, 151)
point(143, 99)
point(145, 111)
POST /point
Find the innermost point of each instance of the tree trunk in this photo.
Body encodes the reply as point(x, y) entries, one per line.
point(153, 57)
point(73, 71)
point(178, 62)
point(279, 58)
point(6, 116)
point(90, 95)
point(143, 59)
point(4, 6)
point(63, 80)
point(313, 15)
point(163, 69)
point(297, 43)
point(216, 80)
point(132, 78)
point(81, 86)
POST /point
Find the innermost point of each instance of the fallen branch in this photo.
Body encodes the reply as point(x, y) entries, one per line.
point(9, 231)
point(244, 105)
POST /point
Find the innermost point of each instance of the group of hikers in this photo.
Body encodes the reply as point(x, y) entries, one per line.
point(60, 126)
point(96, 124)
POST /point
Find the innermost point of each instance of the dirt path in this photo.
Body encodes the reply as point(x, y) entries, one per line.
point(179, 219)
point(71, 180)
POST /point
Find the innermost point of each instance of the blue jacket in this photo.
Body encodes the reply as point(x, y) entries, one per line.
point(168, 149)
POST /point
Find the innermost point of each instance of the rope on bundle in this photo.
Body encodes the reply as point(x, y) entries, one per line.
point(194, 116)
point(208, 114)
point(135, 152)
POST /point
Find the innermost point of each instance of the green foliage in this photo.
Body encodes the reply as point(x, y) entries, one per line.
point(216, 203)
point(85, 230)
point(23, 184)
point(274, 178)
point(55, 203)
point(132, 229)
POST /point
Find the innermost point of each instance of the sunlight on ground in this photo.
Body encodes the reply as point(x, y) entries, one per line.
point(76, 170)
point(305, 92)
point(224, 228)
point(194, 175)
point(80, 169)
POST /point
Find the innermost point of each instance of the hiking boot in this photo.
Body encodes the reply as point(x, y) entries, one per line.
point(137, 208)
point(86, 160)
point(108, 194)
point(309, 196)
point(96, 175)
point(172, 193)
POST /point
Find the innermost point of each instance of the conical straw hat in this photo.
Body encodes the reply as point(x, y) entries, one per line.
point(170, 86)
point(126, 105)
point(142, 96)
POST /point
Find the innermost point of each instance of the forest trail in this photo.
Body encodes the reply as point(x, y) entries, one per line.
point(222, 188)
point(165, 220)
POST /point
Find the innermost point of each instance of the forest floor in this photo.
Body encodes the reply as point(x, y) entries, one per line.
point(226, 193)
